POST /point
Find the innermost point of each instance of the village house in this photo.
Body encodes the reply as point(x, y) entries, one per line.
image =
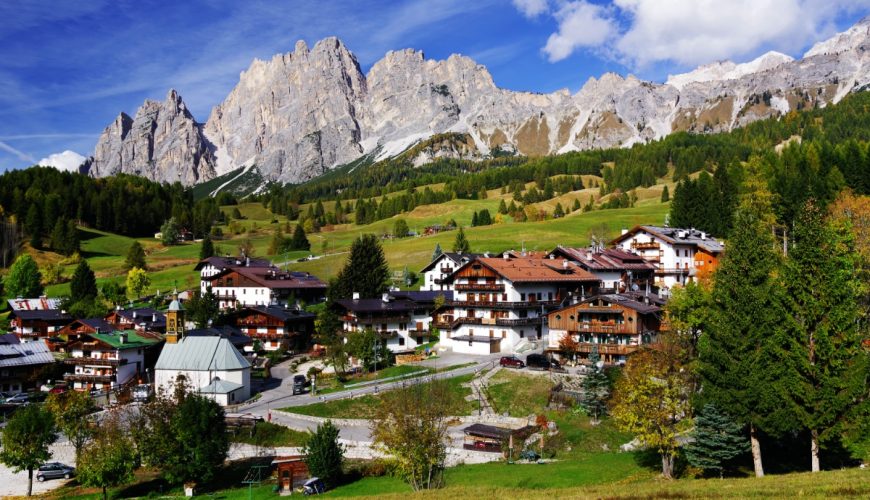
point(20, 364)
point(143, 319)
point(253, 282)
point(502, 302)
point(238, 339)
point(402, 319)
point(276, 327)
point(617, 269)
point(40, 324)
point(616, 325)
point(680, 255)
point(79, 328)
point(436, 272)
point(109, 360)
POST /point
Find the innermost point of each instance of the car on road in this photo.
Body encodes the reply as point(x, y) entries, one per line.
point(541, 362)
point(511, 362)
point(141, 393)
point(299, 382)
point(21, 398)
point(54, 470)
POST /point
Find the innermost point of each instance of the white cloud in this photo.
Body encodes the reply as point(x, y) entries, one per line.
point(531, 8)
point(691, 32)
point(68, 160)
point(581, 25)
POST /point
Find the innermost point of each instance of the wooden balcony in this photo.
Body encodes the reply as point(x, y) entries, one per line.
point(604, 327)
point(84, 377)
point(479, 287)
point(649, 245)
point(85, 361)
point(504, 305)
point(376, 320)
point(672, 270)
point(609, 349)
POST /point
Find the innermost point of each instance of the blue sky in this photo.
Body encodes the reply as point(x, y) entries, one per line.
point(67, 68)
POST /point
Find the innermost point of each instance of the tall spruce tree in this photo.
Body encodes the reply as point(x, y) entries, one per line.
point(437, 252)
point(135, 257)
point(735, 363)
point(299, 241)
point(666, 196)
point(827, 371)
point(365, 272)
point(718, 440)
point(461, 244)
point(596, 389)
point(207, 248)
point(83, 285)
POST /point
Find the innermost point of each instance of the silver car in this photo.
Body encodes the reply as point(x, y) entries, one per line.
point(54, 470)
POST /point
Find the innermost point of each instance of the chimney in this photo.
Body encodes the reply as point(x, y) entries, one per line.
point(355, 295)
point(122, 338)
point(247, 262)
point(385, 297)
point(506, 256)
point(134, 314)
point(552, 256)
point(703, 235)
point(624, 231)
point(565, 264)
point(154, 318)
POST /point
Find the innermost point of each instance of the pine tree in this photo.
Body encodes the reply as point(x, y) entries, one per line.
point(365, 272)
point(512, 208)
point(461, 244)
point(596, 389)
point(576, 206)
point(324, 454)
point(826, 368)
point(299, 241)
point(736, 351)
point(72, 238)
point(400, 228)
point(207, 248)
point(475, 220)
point(666, 196)
point(502, 207)
point(437, 252)
point(33, 223)
point(83, 285)
point(277, 242)
point(135, 257)
point(718, 440)
point(558, 211)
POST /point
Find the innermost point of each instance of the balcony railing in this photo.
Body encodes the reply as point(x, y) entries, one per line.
point(508, 322)
point(85, 361)
point(479, 287)
point(374, 320)
point(85, 377)
point(596, 327)
point(672, 270)
point(521, 321)
point(650, 245)
point(611, 349)
point(504, 305)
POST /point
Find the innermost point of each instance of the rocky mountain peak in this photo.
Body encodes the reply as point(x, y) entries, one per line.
point(304, 112)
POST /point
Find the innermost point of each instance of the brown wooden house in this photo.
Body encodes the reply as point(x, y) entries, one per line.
point(616, 325)
point(276, 327)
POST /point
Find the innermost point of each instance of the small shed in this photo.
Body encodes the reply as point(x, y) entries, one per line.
point(482, 437)
point(291, 472)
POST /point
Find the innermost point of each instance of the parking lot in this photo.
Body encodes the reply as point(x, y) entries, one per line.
point(12, 484)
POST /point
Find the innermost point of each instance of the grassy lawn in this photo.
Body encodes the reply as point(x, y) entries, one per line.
point(518, 394)
point(364, 406)
point(269, 434)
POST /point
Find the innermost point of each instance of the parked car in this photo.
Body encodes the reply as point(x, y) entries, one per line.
point(141, 393)
point(541, 362)
point(511, 362)
point(21, 398)
point(299, 382)
point(54, 470)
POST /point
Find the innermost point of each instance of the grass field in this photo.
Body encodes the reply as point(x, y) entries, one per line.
point(517, 393)
point(271, 435)
point(364, 406)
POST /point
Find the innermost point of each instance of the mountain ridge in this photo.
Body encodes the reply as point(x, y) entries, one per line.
point(302, 113)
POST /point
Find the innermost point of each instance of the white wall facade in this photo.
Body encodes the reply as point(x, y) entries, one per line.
point(197, 379)
point(676, 263)
point(436, 272)
point(123, 373)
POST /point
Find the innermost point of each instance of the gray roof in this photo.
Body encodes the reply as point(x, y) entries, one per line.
point(31, 353)
point(201, 354)
point(218, 386)
point(175, 306)
point(678, 236)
